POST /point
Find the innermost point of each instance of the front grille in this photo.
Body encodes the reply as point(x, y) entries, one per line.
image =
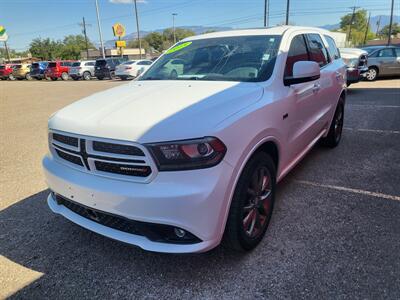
point(154, 232)
point(105, 219)
point(122, 160)
point(117, 148)
point(71, 158)
point(130, 170)
point(68, 140)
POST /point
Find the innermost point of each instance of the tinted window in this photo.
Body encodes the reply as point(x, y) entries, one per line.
point(52, 65)
point(101, 62)
point(297, 52)
point(35, 65)
point(386, 53)
point(333, 50)
point(90, 63)
point(2, 67)
point(76, 64)
point(318, 53)
point(238, 58)
point(397, 50)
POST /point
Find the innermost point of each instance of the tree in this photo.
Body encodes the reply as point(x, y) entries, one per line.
point(69, 48)
point(155, 41)
point(358, 27)
point(73, 45)
point(45, 49)
point(179, 33)
point(13, 53)
point(385, 30)
point(135, 44)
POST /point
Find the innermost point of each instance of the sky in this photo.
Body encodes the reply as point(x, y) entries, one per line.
point(25, 20)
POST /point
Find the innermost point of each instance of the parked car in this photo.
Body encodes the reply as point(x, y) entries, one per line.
point(6, 70)
point(356, 61)
point(21, 71)
point(38, 69)
point(82, 69)
point(105, 68)
point(58, 69)
point(382, 61)
point(173, 69)
point(132, 68)
point(180, 165)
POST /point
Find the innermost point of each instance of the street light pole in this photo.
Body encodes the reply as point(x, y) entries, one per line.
point(287, 12)
point(173, 26)
point(352, 21)
point(390, 24)
point(138, 30)
point(100, 33)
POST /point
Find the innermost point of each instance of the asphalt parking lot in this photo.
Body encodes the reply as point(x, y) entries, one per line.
point(335, 232)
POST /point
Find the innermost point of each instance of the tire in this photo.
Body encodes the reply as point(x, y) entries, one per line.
point(372, 74)
point(75, 78)
point(112, 75)
point(335, 130)
point(11, 77)
point(28, 76)
point(100, 78)
point(54, 78)
point(86, 75)
point(64, 76)
point(242, 232)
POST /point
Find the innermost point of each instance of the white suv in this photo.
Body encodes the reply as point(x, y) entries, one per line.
point(82, 69)
point(180, 161)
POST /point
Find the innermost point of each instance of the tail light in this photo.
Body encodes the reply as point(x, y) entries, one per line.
point(188, 154)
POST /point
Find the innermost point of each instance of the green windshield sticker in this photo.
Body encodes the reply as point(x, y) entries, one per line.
point(178, 47)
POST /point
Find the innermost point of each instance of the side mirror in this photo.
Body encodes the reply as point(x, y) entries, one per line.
point(303, 71)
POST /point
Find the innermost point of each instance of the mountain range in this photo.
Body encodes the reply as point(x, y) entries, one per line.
point(384, 20)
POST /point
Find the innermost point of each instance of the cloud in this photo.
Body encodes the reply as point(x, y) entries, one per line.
point(126, 1)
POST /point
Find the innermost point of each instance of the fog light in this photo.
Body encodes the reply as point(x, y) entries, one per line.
point(180, 233)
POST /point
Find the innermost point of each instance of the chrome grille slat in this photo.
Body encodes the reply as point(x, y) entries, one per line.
point(122, 165)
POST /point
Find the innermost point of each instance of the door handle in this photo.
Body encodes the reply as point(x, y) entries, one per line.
point(316, 88)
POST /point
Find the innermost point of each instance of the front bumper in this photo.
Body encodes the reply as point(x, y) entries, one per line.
point(195, 201)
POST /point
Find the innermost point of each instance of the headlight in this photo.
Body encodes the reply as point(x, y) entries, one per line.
point(351, 63)
point(188, 154)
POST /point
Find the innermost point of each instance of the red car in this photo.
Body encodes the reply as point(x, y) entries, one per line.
point(6, 70)
point(58, 69)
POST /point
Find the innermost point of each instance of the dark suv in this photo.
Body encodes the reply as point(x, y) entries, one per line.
point(38, 69)
point(105, 68)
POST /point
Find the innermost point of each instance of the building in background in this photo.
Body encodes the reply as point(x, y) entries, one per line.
point(130, 53)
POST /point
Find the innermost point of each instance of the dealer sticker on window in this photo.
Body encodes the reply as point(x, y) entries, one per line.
point(178, 47)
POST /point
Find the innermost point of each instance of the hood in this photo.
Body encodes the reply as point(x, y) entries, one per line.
point(151, 111)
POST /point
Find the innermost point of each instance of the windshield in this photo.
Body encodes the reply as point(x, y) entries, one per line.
point(239, 58)
point(52, 65)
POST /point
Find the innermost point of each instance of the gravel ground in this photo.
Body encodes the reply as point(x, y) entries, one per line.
point(335, 232)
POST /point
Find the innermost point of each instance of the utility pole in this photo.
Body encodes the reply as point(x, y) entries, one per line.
point(266, 13)
point(352, 21)
point(138, 30)
point(366, 29)
point(100, 33)
point(173, 26)
point(83, 24)
point(7, 52)
point(287, 12)
point(378, 24)
point(390, 24)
